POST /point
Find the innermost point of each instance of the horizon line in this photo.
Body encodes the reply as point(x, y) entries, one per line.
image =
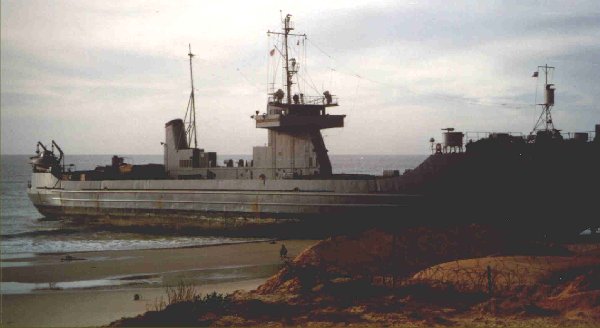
point(125, 154)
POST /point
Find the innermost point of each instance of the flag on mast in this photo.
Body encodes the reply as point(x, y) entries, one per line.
point(535, 74)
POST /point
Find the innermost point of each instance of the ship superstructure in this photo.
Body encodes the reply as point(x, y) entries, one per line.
point(294, 121)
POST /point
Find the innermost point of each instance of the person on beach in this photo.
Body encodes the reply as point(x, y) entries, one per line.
point(283, 252)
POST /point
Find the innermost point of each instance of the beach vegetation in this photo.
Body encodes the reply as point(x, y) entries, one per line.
point(184, 304)
point(212, 301)
point(182, 292)
point(159, 304)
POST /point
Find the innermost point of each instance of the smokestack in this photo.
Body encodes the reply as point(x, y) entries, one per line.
point(175, 136)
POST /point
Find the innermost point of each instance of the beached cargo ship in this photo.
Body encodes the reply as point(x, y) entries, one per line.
point(288, 179)
point(537, 181)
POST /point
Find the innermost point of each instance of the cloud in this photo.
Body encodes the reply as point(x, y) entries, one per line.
point(103, 77)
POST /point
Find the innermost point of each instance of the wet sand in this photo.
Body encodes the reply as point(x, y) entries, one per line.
point(101, 288)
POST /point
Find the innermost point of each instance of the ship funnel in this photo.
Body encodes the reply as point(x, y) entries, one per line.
point(175, 136)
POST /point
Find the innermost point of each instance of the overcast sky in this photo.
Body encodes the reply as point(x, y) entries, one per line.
point(102, 77)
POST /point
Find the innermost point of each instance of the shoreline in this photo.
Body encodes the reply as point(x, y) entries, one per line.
point(12, 258)
point(120, 274)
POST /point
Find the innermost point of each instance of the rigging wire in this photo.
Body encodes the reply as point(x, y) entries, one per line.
point(268, 54)
point(535, 102)
point(276, 62)
point(305, 67)
point(181, 134)
point(314, 89)
point(293, 55)
point(304, 58)
point(447, 97)
point(309, 79)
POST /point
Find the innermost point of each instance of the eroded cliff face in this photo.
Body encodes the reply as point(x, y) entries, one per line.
point(467, 275)
point(395, 256)
point(433, 276)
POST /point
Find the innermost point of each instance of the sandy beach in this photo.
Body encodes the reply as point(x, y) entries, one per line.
point(95, 288)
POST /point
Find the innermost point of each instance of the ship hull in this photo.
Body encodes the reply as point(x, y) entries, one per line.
point(224, 206)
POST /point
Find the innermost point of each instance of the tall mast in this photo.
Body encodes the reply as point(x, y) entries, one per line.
point(287, 27)
point(192, 106)
point(544, 121)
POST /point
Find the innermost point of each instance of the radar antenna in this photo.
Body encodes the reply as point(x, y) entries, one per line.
point(544, 121)
point(190, 113)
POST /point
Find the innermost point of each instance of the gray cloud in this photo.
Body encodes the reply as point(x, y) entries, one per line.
point(103, 78)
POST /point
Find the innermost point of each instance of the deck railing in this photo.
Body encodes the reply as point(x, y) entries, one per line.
point(307, 100)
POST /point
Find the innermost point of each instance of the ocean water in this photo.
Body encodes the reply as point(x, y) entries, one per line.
point(24, 232)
